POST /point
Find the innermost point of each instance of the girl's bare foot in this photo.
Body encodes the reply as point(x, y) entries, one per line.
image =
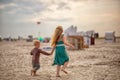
point(58, 76)
point(64, 71)
point(36, 75)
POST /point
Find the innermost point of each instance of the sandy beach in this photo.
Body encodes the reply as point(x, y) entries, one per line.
point(98, 62)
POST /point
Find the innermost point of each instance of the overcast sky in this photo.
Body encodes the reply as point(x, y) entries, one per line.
point(19, 17)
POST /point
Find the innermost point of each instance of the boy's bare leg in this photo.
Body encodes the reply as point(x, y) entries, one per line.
point(58, 71)
point(32, 72)
point(64, 66)
point(35, 73)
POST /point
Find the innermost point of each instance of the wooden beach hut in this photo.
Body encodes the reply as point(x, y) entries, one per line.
point(77, 41)
point(110, 36)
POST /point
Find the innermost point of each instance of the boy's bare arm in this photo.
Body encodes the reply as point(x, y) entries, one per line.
point(44, 52)
point(31, 53)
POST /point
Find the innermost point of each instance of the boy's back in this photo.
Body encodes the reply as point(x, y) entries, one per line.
point(36, 54)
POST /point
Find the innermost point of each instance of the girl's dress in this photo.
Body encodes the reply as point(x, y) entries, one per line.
point(60, 54)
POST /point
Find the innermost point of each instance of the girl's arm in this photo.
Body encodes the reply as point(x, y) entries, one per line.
point(53, 50)
point(67, 43)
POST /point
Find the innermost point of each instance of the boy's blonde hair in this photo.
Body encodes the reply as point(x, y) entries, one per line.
point(36, 42)
point(57, 33)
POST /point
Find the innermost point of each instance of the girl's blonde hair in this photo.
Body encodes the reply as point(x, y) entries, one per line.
point(57, 33)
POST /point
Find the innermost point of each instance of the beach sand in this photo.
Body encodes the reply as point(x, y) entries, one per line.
point(98, 62)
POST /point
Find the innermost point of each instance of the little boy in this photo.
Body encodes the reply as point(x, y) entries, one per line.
point(35, 52)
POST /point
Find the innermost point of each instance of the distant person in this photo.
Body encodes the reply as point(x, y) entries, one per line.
point(61, 56)
point(35, 52)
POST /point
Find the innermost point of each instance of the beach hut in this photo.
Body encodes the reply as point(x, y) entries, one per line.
point(77, 41)
point(85, 38)
point(20, 38)
point(70, 31)
point(88, 37)
point(91, 38)
point(73, 37)
point(30, 38)
point(110, 36)
point(96, 35)
point(80, 39)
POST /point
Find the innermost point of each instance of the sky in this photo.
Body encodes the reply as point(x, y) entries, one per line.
point(20, 17)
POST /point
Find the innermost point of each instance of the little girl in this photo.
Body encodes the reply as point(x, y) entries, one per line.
point(61, 57)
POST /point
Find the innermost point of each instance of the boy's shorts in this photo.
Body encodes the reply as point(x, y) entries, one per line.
point(35, 66)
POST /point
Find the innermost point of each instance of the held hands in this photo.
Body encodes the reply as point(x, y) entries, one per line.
point(52, 50)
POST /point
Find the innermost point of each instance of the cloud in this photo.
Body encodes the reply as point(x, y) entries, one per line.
point(22, 6)
point(12, 12)
point(80, 0)
point(35, 8)
point(6, 1)
point(63, 5)
point(58, 19)
point(62, 10)
point(3, 6)
point(33, 5)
